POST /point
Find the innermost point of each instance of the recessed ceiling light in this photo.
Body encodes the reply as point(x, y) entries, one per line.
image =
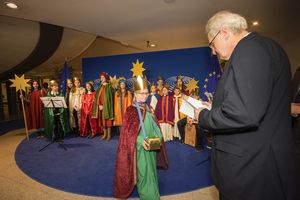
point(150, 44)
point(169, 1)
point(11, 5)
point(255, 23)
point(124, 44)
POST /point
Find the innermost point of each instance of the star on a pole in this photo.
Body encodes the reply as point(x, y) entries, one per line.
point(20, 83)
point(191, 85)
point(137, 69)
point(114, 81)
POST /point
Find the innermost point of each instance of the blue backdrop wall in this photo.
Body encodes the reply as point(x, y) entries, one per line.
point(194, 63)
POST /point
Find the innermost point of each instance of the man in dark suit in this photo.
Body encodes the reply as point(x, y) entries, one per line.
point(253, 154)
point(295, 108)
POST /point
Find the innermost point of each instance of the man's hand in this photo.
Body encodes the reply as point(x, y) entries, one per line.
point(208, 104)
point(146, 145)
point(295, 109)
point(198, 110)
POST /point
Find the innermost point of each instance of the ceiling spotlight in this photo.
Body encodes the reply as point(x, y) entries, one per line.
point(124, 44)
point(169, 1)
point(11, 5)
point(255, 23)
point(150, 44)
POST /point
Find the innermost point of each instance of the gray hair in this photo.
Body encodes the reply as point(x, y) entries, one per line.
point(226, 19)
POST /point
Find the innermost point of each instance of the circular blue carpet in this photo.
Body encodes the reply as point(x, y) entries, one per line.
point(87, 167)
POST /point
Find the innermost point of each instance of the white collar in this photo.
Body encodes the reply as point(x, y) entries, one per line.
point(54, 93)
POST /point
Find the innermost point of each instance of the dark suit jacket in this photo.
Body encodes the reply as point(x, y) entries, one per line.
point(296, 84)
point(253, 155)
point(296, 120)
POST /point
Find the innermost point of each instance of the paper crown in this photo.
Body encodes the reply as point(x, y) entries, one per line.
point(140, 83)
point(53, 82)
point(166, 85)
point(152, 84)
point(91, 83)
point(76, 79)
point(160, 78)
point(122, 80)
point(69, 80)
point(179, 77)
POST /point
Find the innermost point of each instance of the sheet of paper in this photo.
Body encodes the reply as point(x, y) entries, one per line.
point(188, 106)
point(197, 103)
point(47, 102)
point(59, 102)
point(187, 109)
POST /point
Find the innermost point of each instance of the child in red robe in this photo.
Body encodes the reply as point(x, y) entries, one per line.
point(88, 125)
point(165, 113)
point(36, 108)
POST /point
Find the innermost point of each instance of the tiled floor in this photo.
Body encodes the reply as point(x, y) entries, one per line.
point(15, 185)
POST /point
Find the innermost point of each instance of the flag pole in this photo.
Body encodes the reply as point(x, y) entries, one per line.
point(24, 114)
point(20, 83)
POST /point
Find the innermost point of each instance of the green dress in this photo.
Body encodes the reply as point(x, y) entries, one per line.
point(147, 184)
point(49, 123)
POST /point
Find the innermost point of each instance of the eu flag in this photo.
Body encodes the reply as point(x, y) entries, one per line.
point(65, 74)
point(210, 83)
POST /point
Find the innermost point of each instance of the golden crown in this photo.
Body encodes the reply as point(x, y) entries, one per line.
point(166, 85)
point(179, 77)
point(53, 82)
point(152, 84)
point(91, 83)
point(122, 79)
point(140, 83)
point(76, 79)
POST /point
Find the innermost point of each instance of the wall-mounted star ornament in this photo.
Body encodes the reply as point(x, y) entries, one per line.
point(20, 83)
point(191, 85)
point(137, 69)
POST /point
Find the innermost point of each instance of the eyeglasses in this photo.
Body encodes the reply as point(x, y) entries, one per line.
point(211, 44)
point(143, 93)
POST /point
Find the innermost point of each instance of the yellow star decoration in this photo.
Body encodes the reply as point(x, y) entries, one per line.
point(137, 69)
point(20, 83)
point(114, 81)
point(191, 85)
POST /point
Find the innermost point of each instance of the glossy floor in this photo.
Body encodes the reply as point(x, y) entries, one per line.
point(14, 184)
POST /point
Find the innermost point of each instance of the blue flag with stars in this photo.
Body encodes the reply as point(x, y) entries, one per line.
point(211, 79)
point(65, 74)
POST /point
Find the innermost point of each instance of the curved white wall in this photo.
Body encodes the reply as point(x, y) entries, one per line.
point(18, 39)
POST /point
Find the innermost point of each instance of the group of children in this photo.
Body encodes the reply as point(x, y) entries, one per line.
point(91, 112)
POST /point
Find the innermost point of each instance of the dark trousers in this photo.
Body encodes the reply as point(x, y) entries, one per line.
point(199, 132)
point(181, 125)
point(58, 133)
point(222, 197)
point(76, 129)
point(76, 119)
point(296, 130)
